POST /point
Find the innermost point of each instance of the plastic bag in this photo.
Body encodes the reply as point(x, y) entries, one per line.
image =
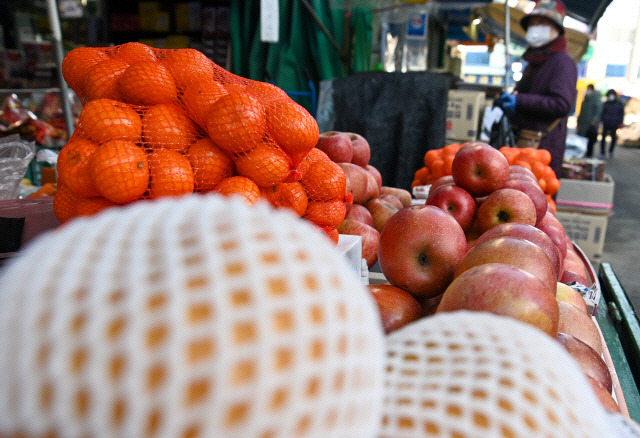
point(15, 156)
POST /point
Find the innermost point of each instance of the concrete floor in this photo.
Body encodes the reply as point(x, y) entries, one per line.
point(622, 242)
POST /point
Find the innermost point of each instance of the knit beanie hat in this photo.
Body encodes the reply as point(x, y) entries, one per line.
point(554, 10)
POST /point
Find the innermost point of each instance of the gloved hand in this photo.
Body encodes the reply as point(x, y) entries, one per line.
point(507, 102)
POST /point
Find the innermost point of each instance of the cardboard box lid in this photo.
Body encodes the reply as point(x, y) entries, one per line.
point(586, 196)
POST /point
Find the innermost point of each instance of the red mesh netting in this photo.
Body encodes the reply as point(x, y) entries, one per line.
point(159, 122)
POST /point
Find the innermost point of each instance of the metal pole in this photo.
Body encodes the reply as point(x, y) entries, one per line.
point(507, 43)
point(54, 22)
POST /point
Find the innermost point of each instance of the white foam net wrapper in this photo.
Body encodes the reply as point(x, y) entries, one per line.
point(474, 374)
point(189, 318)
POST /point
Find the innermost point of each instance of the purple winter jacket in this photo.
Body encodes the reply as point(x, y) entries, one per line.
point(546, 92)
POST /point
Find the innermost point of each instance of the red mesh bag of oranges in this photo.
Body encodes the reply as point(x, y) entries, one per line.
point(162, 122)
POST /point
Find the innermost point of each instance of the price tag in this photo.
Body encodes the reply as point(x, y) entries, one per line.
point(269, 21)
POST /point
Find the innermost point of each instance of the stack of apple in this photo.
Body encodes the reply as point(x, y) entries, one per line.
point(373, 203)
point(487, 241)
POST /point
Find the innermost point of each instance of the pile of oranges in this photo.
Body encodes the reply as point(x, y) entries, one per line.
point(161, 123)
point(437, 163)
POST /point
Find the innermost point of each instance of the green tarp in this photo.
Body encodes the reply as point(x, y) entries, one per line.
point(304, 52)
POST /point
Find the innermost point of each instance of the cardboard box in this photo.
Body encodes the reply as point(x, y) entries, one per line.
point(586, 230)
point(464, 109)
point(351, 248)
point(594, 197)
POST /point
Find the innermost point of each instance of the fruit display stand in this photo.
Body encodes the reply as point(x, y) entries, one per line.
point(621, 332)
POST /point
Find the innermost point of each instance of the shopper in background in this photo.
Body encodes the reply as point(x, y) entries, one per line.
point(546, 93)
point(612, 117)
point(589, 117)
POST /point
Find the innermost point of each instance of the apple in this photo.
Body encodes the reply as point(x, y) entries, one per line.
point(370, 238)
point(506, 205)
point(515, 169)
point(403, 195)
point(527, 232)
point(381, 211)
point(457, 202)
point(570, 277)
point(376, 174)
point(479, 168)
point(393, 200)
point(361, 149)
point(514, 251)
point(359, 213)
point(337, 145)
point(567, 294)
point(442, 181)
point(577, 323)
point(397, 307)
point(534, 192)
point(363, 184)
point(573, 262)
point(590, 362)
point(606, 399)
point(506, 290)
point(473, 233)
point(557, 235)
point(419, 249)
point(429, 304)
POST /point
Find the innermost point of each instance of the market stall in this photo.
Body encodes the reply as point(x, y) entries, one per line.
point(218, 261)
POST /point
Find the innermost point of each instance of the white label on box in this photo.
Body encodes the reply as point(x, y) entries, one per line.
point(269, 21)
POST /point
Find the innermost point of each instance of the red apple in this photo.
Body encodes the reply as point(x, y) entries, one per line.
point(606, 399)
point(578, 324)
point(506, 205)
point(515, 169)
point(442, 181)
point(403, 195)
point(337, 145)
point(381, 211)
point(473, 233)
point(363, 184)
point(505, 290)
point(376, 174)
point(457, 202)
point(570, 276)
point(534, 192)
point(554, 229)
point(573, 262)
point(567, 294)
point(590, 362)
point(527, 232)
point(393, 200)
point(361, 149)
point(514, 251)
point(480, 168)
point(359, 213)
point(419, 249)
point(397, 307)
point(370, 238)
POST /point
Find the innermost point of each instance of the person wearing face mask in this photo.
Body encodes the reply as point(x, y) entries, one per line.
point(544, 97)
point(612, 118)
point(589, 117)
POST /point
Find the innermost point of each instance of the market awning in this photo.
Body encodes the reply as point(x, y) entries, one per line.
point(493, 23)
point(587, 11)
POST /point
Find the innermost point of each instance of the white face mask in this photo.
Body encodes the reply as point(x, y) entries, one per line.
point(538, 35)
point(611, 97)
